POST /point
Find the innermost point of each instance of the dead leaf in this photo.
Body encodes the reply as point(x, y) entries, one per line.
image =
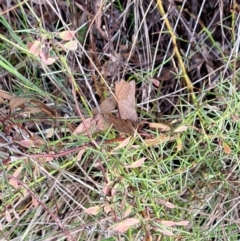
point(71, 45)
point(160, 126)
point(180, 129)
point(34, 202)
point(17, 102)
point(165, 232)
point(226, 148)
point(125, 94)
point(124, 225)
point(5, 95)
point(166, 204)
point(93, 210)
point(119, 124)
point(122, 144)
point(179, 143)
point(127, 212)
point(168, 223)
point(103, 122)
point(48, 61)
point(107, 188)
point(67, 35)
point(34, 47)
point(8, 216)
point(12, 181)
point(93, 125)
point(106, 106)
point(159, 140)
point(108, 208)
point(155, 82)
point(172, 223)
point(182, 223)
point(136, 163)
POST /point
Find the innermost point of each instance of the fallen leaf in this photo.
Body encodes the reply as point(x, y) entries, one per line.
point(93, 125)
point(127, 212)
point(124, 225)
point(160, 126)
point(31, 110)
point(159, 140)
point(106, 106)
point(136, 163)
point(182, 223)
point(5, 95)
point(48, 61)
point(155, 82)
point(67, 35)
point(108, 208)
point(165, 232)
point(166, 204)
point(34, 47)
point(125, 94)
point(71, 45)
point(8, 216)
point(168, 223)
point(107, 188)
point(17, 101)
point(103, 122)
point(180, 129)
point(122, 144)
point(179, 143)
point(26, 143)
point(12, 181)
point(93, 210)
point(34, 202)
point(226, 148)
point(114, 189)
point(126, 126)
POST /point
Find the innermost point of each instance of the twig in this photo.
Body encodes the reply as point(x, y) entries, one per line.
point(176, 50)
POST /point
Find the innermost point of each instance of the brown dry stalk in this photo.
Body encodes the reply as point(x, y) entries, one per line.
point(176, 50)
point(54, 217)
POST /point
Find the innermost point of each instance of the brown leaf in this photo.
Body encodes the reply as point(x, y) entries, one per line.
point(17, 102)
point(159, 140)
point(137, 163)
point(226, 148)
point(71, 45)
point(67, 35)
point(5, 95)
point(103, 122)
point(126, 224)
point(160, 126)
point(93, 210)
point(122, 144)
point(180, 129)
point(106, 106)
point(125, 94)
point(93, 125)
point(119, 124)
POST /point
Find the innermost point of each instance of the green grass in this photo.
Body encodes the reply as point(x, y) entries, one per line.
point(194, 177)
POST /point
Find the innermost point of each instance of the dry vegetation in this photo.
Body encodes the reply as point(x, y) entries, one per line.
point(166, 168)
